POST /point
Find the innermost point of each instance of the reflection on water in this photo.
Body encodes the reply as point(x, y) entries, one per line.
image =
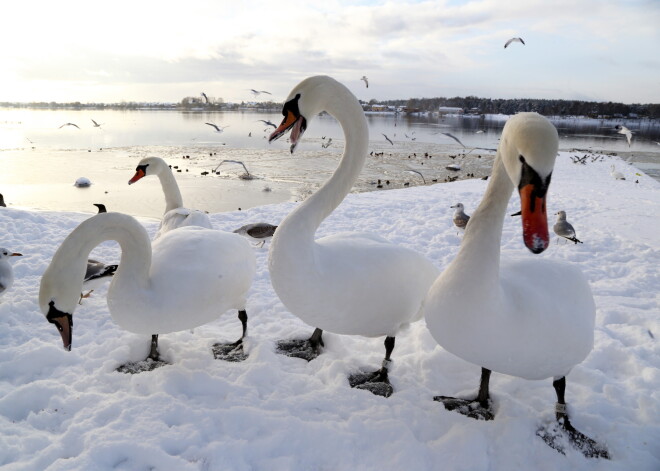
point(41, 160)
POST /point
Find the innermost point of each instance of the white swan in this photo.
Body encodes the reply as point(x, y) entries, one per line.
point(175, 214)
point(528, 318)
point(350, 283)
point(190, 277)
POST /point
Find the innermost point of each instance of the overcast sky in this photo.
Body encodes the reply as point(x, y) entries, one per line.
point(144, 50)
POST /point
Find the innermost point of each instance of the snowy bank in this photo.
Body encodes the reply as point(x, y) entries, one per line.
point(71, 410)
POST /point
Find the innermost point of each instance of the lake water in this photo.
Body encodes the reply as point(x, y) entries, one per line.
point(41, 161)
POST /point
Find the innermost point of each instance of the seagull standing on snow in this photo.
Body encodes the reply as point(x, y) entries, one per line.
point(616, 174)
point(6, 271)
point(625, 131)
point(366, 80)
point(96, 274)
point(460, 218)
point(258, 232)
point(520, 40)
point(564, 229)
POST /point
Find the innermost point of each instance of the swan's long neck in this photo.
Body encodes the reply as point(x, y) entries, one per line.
point(171, 190)
point(303, 222)
point(479, 254)
point(133, 239)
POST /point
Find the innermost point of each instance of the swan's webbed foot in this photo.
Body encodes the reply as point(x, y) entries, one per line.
point(376, 382)
point(560, 434)
point(468, 407)
point(229, 351)
point(152, 361)
point(232, 351)
point(301, 348)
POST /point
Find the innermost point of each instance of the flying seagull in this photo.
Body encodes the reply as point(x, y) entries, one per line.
point(217, 128)
point(96, 125)
point(366, 80)
point(418, 173)
point(257, 232)
point(448, 134)
point(68, 124)
point(512, 40)
point(268, 123)
point(247, 173)
point(388, 139)
point(564, 229)
point(258, 92)
point(206, 99)
point(625, 131)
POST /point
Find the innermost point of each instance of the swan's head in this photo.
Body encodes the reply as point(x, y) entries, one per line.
point(528, 149)
point(59, 292)
point(306, 100)
point(6, 253)
point(147, 166)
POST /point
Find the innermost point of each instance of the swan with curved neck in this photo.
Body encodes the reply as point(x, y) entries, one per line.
point(350, 283)
point(529, 318)
point(190, 277)
point(175, 214)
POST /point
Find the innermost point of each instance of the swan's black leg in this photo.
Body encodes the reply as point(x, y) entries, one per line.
point(152, 361)
point(477, 408)
point(300, 348)
point(377, 382)
point(232, 351)
point(557, 434)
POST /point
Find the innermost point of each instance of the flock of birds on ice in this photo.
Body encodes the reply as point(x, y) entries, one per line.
point(315, 278)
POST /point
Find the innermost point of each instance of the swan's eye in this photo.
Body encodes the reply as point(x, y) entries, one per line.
point(292, 106)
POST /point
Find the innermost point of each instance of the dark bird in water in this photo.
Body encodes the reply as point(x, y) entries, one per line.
point(520, 40)
point(257, 232)
point(96, 125)
point(268, 123)
point(97, 273)
point(460, 218)
point(564, 229)
point(101, 208)
point(388, 139)
point(217, 128)
point(69, 124)
point(206, 99)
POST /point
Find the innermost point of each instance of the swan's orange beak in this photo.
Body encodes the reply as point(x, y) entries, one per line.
point(534, 219)
point(297, 125)
point(64, 323)
point(139, 174)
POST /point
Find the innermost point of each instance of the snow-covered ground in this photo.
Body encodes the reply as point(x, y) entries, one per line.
point(64, 410)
